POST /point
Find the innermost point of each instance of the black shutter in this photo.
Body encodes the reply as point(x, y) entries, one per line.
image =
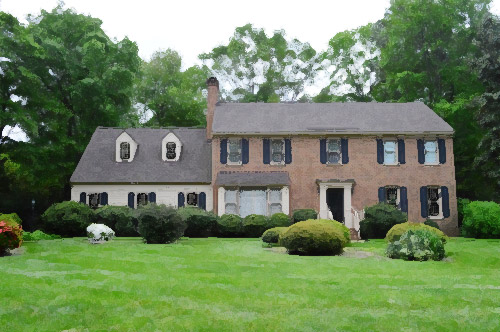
point(83, 198)
point(445, 197)
point(266, 151)
point(424, 210)
point(288, 151)
point(380, 151)
point(131, 200)
point(104, 198)
point(420, 147)
point(202, 201)
point(344, 147)
point(244, 151)
point(403, 199)
point(180, 200)
point(322, 150)
point(401, 151)
point(381, 194)
point(442, 151)
point(152, 197)
point(223, 151)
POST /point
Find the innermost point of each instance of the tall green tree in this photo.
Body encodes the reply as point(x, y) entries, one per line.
point(255, 67)
point(173, 97)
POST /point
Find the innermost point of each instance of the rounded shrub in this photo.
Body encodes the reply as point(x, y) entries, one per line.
point(417, 245)
point(67, 219)
point(432, 223)
point(119, 218)
point(481, 220)
point(160, 224)
point(279, 220)
point(343, 228)
point(230, 225)
point(313, 237)
point(398, 230)
point(379, 219)
point(11, 235)
point(200, 223)
point(304, 214)
point(271, 236)
point(254, 225)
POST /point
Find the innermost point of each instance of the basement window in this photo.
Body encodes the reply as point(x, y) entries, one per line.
point(431, 152)
point(234, 149)
point(142, 199)
point(171, 153)
point(125, 150)
point(433, 201)
point(192, 199)
point(277, 151)
point(94, 200)
point(334, 154)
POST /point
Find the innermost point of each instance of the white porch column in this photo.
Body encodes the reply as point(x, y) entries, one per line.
point(323, 207)
point(347, 205)
point(221, 206)
point(285, 200)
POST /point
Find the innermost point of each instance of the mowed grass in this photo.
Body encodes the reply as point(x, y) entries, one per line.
point(236, 285)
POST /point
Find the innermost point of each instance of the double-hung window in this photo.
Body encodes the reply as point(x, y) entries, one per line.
point(392, 196)
point(390, 153)
point(333, 150)
point(277, 151)
point(433, 201)
point(94, 200)
point(431, 152)
point(192, 199)
point(142, 199)
point(171, 154)
point(234, 149)
point(125, 150)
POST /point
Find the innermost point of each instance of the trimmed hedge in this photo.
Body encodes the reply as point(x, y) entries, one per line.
point(417, 245)
point(304, 214)
point(313, 237)
point(118, 218)
point(200, 223)
point(230, 225)
point(379, 219)
point(397, 231)
point(279, 220)
point(11, 235)
point(254, 225)
point(159, 223)
point(39, 235)
point(67, 219)
point(271, 236)
point(481, 220)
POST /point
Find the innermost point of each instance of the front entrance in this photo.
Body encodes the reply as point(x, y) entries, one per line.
point(335, 202)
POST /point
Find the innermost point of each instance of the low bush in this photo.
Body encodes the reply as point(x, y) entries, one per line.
point(279, 220)
point(39, 235)
point(119, 218)
point(398, 230)
point(340, 226)
point(254, 225)
point(481, 220)
point(160, 224)
point(304, 214)
point(432, 223)
point(271, 236)
point(313, 237)
point(417, 245)
point(230, 225)
point(67, 219)
point(200, 223)
point(379, 219)
point(11, 235)
point(97, 233)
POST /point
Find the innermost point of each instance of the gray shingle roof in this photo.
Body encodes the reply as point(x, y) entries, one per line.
point(311, 118)
point(225, 178)
point(98, 161)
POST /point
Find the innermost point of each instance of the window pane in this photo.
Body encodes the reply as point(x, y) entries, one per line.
point(392, 195)
point(334, 145)
point(94, 200)
point(430, 151)
point(389, 157)
point(124, 150)
point(274, 208)
point(142, 199)
point(171, 150)
point(275, 196)
point(231, 208)
point(230, 196)
point(192, 199)
point(234, 157)
point(234, 145)
point(333, 157)
point(253, 202)
point(434, 209)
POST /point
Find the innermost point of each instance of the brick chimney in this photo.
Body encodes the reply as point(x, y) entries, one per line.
point(212, 98)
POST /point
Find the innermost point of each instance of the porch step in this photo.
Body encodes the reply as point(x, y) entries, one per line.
point(354, 235)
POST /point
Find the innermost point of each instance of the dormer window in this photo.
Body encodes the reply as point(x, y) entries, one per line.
point(124, 150)
point(171, 151)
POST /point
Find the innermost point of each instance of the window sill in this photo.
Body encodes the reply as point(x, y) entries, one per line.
point(431, 165)
point(233, 165)
point(436, 218)
point(334, 165)
point(277, 165)
point(392, 165)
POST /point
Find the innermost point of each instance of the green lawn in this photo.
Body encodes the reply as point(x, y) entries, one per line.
point(236, 285)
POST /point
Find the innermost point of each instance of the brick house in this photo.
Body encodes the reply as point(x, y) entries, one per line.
point(262, 158)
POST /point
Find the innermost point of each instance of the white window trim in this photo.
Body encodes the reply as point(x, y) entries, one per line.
point(284, 199)
point(437, 152)
point(178, 147)
point(282, 151)
point(396, 156)
point(440, 203)
point(340, 151)
point(229, 162)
